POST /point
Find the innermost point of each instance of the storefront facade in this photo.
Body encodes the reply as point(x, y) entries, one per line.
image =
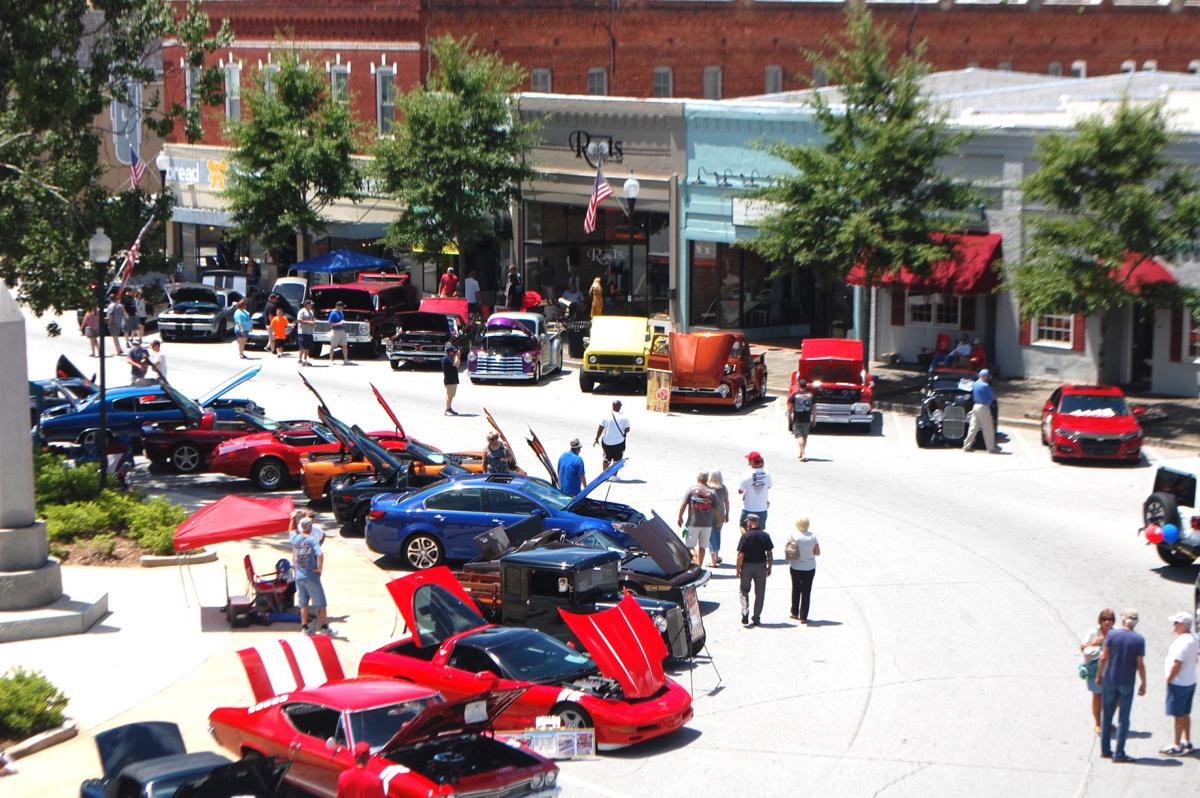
point(633, 254)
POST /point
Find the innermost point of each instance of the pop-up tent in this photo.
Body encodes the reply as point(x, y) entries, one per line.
point(233, 518)
point(342, 260)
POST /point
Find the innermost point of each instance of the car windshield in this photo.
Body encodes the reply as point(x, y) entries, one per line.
point(424, 452)
point(598, 540)
point(539, 658)
point(188, 406)
point(1082, 404)
point(379, 725)
point(354, 300)
point(543, 493)
point(834, 371)
point(951, 384)
point(292, 292)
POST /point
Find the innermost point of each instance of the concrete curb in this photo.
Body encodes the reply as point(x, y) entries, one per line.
point(191, 558)
point(40, 742)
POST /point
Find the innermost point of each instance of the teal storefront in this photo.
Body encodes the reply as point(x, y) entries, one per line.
point(723, 285)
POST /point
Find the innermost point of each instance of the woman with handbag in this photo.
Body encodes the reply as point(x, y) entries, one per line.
point(1091, 646)
point(801, 552)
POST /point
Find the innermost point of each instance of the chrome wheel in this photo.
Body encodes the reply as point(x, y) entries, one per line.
point(185, 458)
point(269, 474)
point(423, 552)
point(739, 399)
point(573, 717)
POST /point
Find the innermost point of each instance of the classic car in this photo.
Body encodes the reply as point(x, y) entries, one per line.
point(272, 459)
point(438, 524)
point(132, 407)
point(370, 309)
point(149, 760)
point(67, 387)
point(186, 447)
point(617, 350)
point(1174, 488)
point(710, 368)
point(421, 338)
point(1091, 422)
point(946, 408)
point(310, 715)
point(837, 377)
point(452, 649)
point(198, 311)
point(290, 293)
point(516, 346)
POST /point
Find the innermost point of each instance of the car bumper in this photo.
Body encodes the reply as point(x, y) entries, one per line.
point(634, 730)
point(1067, 449)
point(186, 329)
point(415, 356)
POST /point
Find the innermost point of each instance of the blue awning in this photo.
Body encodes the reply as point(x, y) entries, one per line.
point(342, 260)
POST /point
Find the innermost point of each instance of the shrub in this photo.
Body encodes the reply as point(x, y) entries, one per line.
point(58, 482)
point(149, 522)
point(29, 704)
point(102, 547)
point(67, 522)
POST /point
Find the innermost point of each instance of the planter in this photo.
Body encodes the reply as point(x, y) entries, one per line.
point(197, 557)
point(40, 742)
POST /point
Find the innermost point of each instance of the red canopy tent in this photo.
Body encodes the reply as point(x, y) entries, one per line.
point(969, 272)
point(233, 518)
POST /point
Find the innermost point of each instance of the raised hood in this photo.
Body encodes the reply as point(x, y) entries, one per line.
point(284, 666)
point(227, 386)
point(658, 539)
point(472, 715)
point(698, 359)
point(625, 646)
point(388, 409)
point(137, 742)
point(605, 476)
point(434, 605)
point(619, 334)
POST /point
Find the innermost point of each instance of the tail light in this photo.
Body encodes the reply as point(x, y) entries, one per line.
point(1196, 522)
point(345, 498)
point(375, 515)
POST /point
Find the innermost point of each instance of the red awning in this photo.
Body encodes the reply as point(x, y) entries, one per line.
point(233, 518)
point(969, 272)
point(1138, 272)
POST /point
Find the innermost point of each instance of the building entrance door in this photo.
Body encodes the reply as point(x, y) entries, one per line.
point(1142, 343)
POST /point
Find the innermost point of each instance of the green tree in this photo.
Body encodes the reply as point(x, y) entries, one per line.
point(871, 190)
point(61, 64)
point(458, 155)
point(292, 156)
point(1109, 192)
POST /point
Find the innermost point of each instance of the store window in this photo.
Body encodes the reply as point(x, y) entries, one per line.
point(1079, 69)
point(820, 77)
point(1194, 338)
point(1054, 329)
point(733, 288)
point(233, 92)
point(934, 309)
point(712, 83)
point(773, 80)
point(664, 82)
point(339, 82)
point(541, 80)
point(385, 99)
point(1055, 69)
point(597, 81)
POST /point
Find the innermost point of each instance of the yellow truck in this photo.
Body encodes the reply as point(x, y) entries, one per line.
point(617, 350)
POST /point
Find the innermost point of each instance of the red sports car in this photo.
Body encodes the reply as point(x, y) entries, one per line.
point(187, 447)
point(1091, 422)
point(271, 459)
point(619, 689)
point(311, 716)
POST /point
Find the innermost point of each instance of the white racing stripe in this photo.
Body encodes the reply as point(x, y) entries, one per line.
point(568, 695)
point(279, 672)
point(390, 772)
point(312, 672)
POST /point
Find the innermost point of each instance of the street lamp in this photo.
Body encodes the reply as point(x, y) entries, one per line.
point(100, 252)
point(632, 189)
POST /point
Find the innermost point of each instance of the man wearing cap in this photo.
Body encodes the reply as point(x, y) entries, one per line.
point(337, 333)
point(139, 362)
point(982, 398)
point(306, 325)
point(755, 490)
point(615, 429)
point(1180, 667)
point(1121, 659)
point(753, 568)
point(571, 478)
point(448, 285)
point(358, 782)
point(450, 376)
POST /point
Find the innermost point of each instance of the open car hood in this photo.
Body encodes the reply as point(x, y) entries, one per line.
point(227, 386)
point(388, 409)
point(422, 322)
point(434, 606)
point(64, 369)
point(470, 715)
point(658, 539)
point(452, 306)
point(284, 666)
point(605, 476)
point(543, 457)
point(624, 644)
point(137, 742)
point(698, 361)
point(194, 293)
point(379, 458)
point(506, 325)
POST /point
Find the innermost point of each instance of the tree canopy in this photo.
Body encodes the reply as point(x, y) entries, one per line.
point(870, 191)
point(458, 156)
point(1110, 194)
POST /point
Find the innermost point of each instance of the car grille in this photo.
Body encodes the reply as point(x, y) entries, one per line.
point(839, 395)
point(352, 328)
point(695, 391)
point(411, 350)
point(509, 791)
point(677, 638)
point(954, 422)
point(508, 365)
point(615, 360)
point(1099, 448)
point(832, 408)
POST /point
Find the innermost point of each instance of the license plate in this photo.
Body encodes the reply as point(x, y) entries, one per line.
point(695, 619)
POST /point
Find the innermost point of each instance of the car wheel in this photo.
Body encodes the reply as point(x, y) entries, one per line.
point(185, 458)
point(923, 435)
point(1170, 556)
point(560, 360)
point(358, 525)
point(739, 399)
point(1161, 508)
point(315, 350)
point(422, 551)
point(396, 364)
point(1045, 432)
point(572, 716)
point(221, 329)
point(633, 588)
point(587, 383)
point(537, 373)
point(269, 473)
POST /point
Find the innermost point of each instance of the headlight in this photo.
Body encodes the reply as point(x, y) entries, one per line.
point(637, 361)
point(1130, 436)
point(471, 356)
point(528, 358)
point(660, 623)
point(1070, 435)
point(551, 778)
point(729, 368)
point(592, 359)
point(723, 391)
point(537, 781)
point(860, 408)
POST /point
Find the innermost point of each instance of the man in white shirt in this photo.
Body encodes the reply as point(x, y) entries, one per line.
point(611, 434)
point(755, 492)
point(471, 292)
point(1180, 668)
point(158, 361)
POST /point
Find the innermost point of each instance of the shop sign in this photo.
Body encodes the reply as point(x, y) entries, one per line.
point(211, 173)
point(596, 150)
point(749, 212)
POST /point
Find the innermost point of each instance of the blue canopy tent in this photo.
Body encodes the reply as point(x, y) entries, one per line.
point(342, 260)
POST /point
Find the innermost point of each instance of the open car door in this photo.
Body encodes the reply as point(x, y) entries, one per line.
point(284, 666)
point(624, 644)
point(388, 409)
point(434, 605)
point(542, 457)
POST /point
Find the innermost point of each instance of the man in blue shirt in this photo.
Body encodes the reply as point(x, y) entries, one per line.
point(307, 563)
point(241, 327)
point(983, 398)
point(571, 479)
point(337, 333)
point(1121, 659)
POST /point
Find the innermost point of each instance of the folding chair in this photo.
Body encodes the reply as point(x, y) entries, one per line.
point(271, 590)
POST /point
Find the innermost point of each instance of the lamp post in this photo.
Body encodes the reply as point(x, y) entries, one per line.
point(100, 251)
point(632, 189)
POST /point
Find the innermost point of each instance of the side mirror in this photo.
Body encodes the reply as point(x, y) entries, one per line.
point(540, 512)
point(331, 744)
point(1139, 410)
point(486, 676)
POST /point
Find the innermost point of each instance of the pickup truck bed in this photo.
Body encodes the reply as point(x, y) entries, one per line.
point(483, 585)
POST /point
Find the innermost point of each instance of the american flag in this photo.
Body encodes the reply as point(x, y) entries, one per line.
point(137, 168)
point(132, 254)
point(600, 191)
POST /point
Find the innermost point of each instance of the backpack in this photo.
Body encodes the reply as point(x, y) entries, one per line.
point(791, 551)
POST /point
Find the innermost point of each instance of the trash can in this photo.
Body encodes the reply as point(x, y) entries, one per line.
point(576, 330)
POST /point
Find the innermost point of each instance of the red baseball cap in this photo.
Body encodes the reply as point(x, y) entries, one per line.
point(754, 456)
point(361, 748)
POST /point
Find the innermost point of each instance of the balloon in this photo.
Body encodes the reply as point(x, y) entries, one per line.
point(1153, 534)
point(1170, 533)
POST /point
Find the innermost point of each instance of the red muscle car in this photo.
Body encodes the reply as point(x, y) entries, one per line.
point(619, 689)
point(311, 716)
point(272, 459)
point(1091, 422)
point(187, 447)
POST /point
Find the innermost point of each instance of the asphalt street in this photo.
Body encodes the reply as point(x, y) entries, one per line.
point(949, 598)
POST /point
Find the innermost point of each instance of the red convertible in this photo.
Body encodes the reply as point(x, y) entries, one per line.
point(619, 689)
point(1091, 422)
point(187, 447)
point(310, 715)
point(271, 459)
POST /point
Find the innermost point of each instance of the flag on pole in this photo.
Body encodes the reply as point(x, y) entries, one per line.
point(600, 191)
point(137, 168)
point(132, 254)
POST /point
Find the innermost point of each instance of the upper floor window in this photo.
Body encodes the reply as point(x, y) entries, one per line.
point(541, 80)
point(820, 77)
point(339, 82)
point(597, 81)
point(1079, 69)
point(192, 87)
point(712, 83)
point(385, 99)
point(1150, 66)
point(1129, 65)
point(773, 80)
point(1004, 66)
point(1055, 69)
point(270, 74)
point(233, 92)
point(1056, 329)
point(664, 82)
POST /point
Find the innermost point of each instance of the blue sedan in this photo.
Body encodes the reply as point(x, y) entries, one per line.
point(440, 523)
point(131, 407)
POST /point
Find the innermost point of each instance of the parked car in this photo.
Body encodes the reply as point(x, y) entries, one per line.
point(231, 280)
point(420, 744)
point(370, 308)
point(421, 338)
point(710, 368)
point(149, 760)
point(1091, 422)
point(618, 349)
point(68, 386)
point(1173, 489)
point(842, 389)
point(290, 293)
point(452, 649)
point(516, 346)
point(439, 524)
point(187, 447)
point(945, 408)
point(134, 406)
point(198, 312)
